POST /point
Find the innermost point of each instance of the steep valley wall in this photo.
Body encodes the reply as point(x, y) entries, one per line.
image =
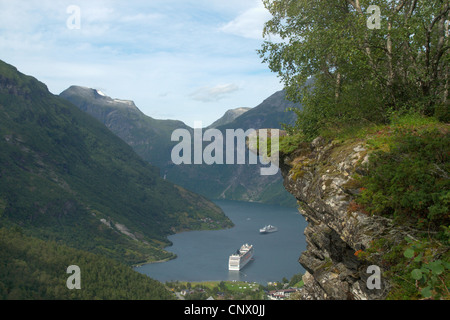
point(319, 175)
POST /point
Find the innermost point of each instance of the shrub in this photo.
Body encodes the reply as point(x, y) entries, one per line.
point(410, 182)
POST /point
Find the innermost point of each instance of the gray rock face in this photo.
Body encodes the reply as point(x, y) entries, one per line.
point(319, 175)
point(228, 117)
point(150, 138)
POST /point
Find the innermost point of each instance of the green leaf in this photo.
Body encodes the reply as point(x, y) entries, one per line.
point(409, 240)
point(425, 269)
point(426, 292)
point(436, 267)
point(418, 258)
point(409, 253)
point(433, 280)
point(416, 274)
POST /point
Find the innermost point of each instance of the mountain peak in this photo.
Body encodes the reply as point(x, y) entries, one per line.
point(229, 116)
point(100, 93)
point(97, 95)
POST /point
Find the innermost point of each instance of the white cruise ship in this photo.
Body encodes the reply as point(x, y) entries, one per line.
point(241, 258)
point(268, 229)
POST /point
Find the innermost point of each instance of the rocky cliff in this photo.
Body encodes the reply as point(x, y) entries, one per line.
point(228, 117)
point(319, 175)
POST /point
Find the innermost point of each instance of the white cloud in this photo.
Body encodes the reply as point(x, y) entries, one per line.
point(141, 18)
point(167, 55)
point(250, 23)
point(208, 94)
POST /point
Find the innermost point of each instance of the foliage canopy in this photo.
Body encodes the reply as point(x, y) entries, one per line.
point(360, 74)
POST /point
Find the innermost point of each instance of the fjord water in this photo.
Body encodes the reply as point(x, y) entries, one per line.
point(203, 255)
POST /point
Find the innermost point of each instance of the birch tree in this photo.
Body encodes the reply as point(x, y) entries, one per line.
point(366, 57)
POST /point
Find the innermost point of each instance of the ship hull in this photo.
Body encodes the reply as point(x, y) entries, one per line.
point(237, 262)
point(268, 229)
point(261, 231)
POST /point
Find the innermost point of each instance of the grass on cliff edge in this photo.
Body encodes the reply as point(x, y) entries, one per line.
point(407, 179)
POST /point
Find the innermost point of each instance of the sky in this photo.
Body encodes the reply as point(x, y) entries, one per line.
point(189, 60)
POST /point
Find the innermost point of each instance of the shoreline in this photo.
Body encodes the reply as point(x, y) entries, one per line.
point(154, 262)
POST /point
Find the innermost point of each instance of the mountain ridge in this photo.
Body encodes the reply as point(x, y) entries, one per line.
point(271, 113)
point(229, 116)
point(151, 139)
point(129, 123)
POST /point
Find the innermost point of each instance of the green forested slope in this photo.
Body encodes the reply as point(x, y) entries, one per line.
point(64, 176)
point(32, 269)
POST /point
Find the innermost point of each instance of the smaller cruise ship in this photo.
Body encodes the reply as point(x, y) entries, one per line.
point(268, 229)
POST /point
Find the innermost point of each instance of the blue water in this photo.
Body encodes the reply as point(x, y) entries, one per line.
point(203, 255)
